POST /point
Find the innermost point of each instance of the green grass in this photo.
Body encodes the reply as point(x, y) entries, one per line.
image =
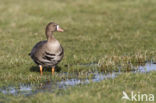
point(109, 32)
point(109, 90)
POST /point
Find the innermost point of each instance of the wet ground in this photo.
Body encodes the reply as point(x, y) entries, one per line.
point(50, 86)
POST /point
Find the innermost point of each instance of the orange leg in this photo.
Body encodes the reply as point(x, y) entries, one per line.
point(53, 70)
point(41, 69)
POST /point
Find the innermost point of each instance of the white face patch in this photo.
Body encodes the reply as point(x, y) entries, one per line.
point(58, 27)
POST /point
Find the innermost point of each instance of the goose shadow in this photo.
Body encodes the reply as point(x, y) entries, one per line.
point(47, 69)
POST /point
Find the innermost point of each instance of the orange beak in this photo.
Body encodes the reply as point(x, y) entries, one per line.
point(59, 29)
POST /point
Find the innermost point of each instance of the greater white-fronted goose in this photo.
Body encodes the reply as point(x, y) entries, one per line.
point(48, 53)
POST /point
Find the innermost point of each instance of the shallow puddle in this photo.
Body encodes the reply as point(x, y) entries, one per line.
point(51, 86)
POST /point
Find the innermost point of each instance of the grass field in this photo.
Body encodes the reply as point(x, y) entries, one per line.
point(107, 32)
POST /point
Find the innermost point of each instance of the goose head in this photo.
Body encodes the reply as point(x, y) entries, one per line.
point(52, 27)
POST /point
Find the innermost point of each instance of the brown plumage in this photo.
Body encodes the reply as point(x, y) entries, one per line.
point(48, 53)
